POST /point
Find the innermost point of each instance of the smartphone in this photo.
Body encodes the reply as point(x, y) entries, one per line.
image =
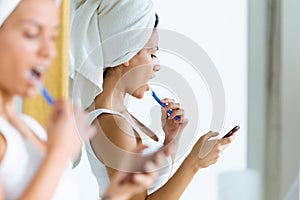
point(235, 129)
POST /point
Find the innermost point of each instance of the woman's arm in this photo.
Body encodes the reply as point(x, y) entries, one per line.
point(174, 188)
point(124, 185)
point(47, 177)
point(113, 143)
point(64, 128)
point(2, 147)
point(119, 132)
point(1, 192)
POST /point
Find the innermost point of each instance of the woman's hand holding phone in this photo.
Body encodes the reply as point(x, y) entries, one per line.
point(207, 150)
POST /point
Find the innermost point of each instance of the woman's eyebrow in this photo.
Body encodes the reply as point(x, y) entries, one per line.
point(32, 22)
point(36, 23)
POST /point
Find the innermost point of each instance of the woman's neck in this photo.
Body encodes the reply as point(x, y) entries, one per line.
point(6, 104)
point(112, 96)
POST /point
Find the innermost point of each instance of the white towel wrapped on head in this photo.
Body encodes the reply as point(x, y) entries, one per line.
point(8, 6)
point(105, 33)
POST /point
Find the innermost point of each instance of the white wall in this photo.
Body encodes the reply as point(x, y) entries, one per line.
point(220, 28)
point(290, 95)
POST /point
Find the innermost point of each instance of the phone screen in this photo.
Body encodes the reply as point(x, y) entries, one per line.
point(236, 128)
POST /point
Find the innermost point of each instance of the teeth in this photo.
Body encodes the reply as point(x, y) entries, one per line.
point(40, 69)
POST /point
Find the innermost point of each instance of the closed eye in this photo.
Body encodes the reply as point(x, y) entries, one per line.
point(31, 35)
point(153, 56)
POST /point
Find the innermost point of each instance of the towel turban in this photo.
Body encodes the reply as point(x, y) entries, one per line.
point(7, 7)
point(105, 33)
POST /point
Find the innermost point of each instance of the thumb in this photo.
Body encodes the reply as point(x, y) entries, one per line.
point(211, 134)
point(204, 139)
point(59, 108)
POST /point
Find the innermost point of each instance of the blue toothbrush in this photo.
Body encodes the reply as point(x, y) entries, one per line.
point(46, 96)
point(162, 104)
point(33, 77)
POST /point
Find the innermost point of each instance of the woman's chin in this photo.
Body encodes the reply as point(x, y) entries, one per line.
point(139, 94)
point(30, 93)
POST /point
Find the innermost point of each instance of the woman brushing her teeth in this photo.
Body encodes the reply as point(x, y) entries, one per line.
point(35, 163)
point(113, 47)
point(36, 75)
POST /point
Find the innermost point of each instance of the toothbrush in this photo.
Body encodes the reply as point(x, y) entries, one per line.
point(45, 94)
point(162, 104)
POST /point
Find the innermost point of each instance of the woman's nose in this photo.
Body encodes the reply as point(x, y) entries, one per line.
point(156, 67)
point(47, 48)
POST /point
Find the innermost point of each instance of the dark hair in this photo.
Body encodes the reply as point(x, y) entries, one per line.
point(156, 20)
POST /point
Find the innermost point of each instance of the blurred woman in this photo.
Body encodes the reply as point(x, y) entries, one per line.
point(35, 163)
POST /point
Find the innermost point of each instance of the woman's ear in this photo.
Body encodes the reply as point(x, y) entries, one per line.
point(126, 64)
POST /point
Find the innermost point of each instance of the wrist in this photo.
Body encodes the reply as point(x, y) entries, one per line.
point(58, 154)
point(113, 197)
point(192, 164)
point(107, 197)
point(110, 194)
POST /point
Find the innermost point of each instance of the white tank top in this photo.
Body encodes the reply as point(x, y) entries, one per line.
point(22, 159)
point(98, 167)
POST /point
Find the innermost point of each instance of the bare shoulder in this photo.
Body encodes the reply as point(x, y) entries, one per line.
point(115, 129)
point(113, 140)
point(2, 146)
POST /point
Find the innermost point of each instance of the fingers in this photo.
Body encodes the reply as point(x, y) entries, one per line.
point(210, 134)
point(227, 140)
point(207, 136)
point(164, 114)
point(158, 158)
point(144, 180)
point(218, 151)
point(177, 111)
point(211, 150)
point(154, 162)
point(175, 107)
point(172, 106)
point(223, 143)
point(167, 100)
point(150, 166)
point(60, 107)
point(183, 123)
